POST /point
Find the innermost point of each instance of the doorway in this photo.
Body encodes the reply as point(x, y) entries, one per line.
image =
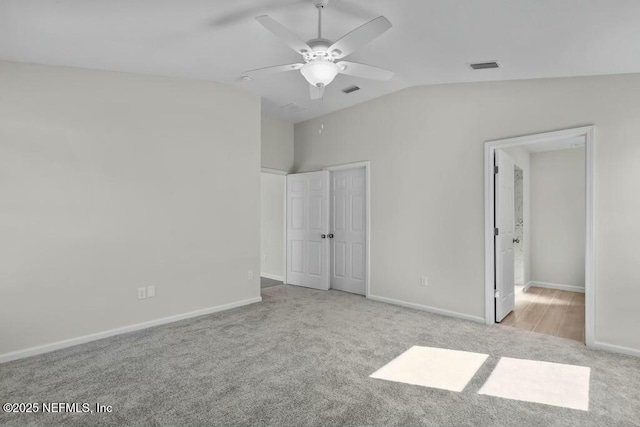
point(272, 227)
point(549, 297)
point(555, 290)
point(328, 228)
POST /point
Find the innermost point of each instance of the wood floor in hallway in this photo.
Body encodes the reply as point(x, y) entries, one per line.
point(548, 311)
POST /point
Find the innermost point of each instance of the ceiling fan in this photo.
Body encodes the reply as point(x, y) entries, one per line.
point(320, 55)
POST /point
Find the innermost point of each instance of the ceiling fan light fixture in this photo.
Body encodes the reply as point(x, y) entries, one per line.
point(319, 72)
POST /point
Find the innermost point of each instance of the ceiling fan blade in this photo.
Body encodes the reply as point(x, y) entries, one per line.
point(316, 92)
point(363, 70)
point(284, 34)
point(270, 70)
point(359, 37)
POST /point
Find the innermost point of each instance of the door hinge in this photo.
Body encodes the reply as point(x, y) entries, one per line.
point(496, 231)
point(496, 294)
point(495, 169)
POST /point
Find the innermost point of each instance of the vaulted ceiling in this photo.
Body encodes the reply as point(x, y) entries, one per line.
point(431, 42)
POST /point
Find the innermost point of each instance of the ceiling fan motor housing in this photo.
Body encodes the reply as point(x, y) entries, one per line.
point(321, 3)
point(320, 49)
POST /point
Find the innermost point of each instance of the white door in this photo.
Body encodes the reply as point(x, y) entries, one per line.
point(307, 229)
point(348, 231)
point(504, 224)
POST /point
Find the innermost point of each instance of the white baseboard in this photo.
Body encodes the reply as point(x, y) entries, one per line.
point(433, 310)
point(596, 345)
point(272, 276)
point(615, 348)
point(46, 348)
point(560, 287)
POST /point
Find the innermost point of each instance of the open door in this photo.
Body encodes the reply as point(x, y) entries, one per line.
point(504, 234)
point(308, 229)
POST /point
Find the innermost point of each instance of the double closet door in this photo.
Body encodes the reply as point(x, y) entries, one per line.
point(326, 230)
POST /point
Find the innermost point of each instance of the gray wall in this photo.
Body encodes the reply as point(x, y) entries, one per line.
point(112, 181)
point(558, 217)
point(277, 153)
point(277, 144)
point(425, 145)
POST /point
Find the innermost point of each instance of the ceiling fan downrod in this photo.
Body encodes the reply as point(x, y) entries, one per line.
point(319, 21)
point(320, 4)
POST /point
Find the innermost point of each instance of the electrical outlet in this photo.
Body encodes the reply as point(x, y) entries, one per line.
point(151, 291)
point(424, 282)
point(250, 275)
point(142, 293)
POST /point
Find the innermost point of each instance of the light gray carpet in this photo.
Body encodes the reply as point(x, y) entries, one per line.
point(303, 357)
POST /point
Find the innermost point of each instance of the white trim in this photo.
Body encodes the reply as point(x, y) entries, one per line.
point(615, 348)
point(46, 348)
point(527, 286)
point(426, 308)
point(367, 171)
point(590, 260)
point(542, 137)
point(558, 286)
point(272, 276)
point(274, 171)
point(489, 149)
point(284, 227)
point(346, 166)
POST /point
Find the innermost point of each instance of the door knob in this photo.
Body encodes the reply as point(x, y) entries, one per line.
point(516, 240)
point(324, 236)
point(330, 236)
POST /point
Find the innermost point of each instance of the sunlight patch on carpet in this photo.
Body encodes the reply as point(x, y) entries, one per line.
point(433, 367)
point(553, 384)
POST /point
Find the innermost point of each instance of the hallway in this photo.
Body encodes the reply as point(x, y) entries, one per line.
point(548, 311)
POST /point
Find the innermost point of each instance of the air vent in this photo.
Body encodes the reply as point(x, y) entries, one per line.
point(485, 65)
point(350, 89)
point(293, 107)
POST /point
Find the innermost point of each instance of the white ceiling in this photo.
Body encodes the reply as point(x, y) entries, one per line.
point(431, 42)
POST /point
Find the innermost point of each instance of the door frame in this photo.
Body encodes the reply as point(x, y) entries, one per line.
point(367, 172)
point(284, 223)
point(489, 178)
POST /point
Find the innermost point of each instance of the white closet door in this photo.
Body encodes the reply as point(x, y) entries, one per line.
point(307, 229)
point(504, 223)
point(348, 231)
